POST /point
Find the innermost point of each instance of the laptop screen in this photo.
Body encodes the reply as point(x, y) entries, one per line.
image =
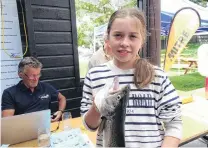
point(12, 127)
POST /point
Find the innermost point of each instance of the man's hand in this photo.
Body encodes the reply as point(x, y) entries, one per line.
point(57, 115)
point(8, 112)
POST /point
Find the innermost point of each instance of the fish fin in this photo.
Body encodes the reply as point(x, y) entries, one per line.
point(102, 125)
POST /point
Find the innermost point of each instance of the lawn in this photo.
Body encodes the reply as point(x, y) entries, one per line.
point(192, 80)
point(83, 67)
point(188, 82)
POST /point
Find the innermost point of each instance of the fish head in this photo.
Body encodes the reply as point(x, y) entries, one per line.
point(114, 99)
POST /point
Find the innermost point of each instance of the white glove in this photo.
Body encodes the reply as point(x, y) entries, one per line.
point(102, 105)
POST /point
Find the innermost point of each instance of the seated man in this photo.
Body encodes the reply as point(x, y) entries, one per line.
point(30, 95)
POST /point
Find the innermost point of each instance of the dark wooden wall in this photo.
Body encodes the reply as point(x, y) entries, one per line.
point(52, 38)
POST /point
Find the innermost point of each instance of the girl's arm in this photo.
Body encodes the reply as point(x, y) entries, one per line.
point(91, 117)
point(170, 142)
point(169, 109)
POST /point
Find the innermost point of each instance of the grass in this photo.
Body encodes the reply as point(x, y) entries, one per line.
point(191, 50)
point(83, 68)
point(188, 82)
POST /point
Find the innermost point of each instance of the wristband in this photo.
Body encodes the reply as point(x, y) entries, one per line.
point(61, 111)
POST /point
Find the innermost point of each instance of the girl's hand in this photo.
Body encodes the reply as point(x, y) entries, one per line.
point(100, 98)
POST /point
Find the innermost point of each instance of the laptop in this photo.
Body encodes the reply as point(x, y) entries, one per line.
point(24, 127)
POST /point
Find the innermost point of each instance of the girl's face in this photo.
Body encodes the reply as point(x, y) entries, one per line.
point(125, 40)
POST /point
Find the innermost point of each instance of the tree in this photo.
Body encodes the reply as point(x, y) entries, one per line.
point(202, 3)
point(90, 15)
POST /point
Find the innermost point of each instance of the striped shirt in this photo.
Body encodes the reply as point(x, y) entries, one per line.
point(150, 110)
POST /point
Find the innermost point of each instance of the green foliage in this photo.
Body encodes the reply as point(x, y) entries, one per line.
point(132, 3)
point(83, 38)
point(98, 15)
point(202, 3)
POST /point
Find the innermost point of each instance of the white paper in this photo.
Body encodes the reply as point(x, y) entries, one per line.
point(11, 46)
point(71, 138)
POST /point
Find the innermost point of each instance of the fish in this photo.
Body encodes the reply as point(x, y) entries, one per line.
point(113, 122)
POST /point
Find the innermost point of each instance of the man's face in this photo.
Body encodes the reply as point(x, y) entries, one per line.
point(30, 76)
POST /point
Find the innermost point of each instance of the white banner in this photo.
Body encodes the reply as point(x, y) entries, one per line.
point(11, 46)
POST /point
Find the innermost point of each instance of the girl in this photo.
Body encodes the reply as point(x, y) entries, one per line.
point(152, 99)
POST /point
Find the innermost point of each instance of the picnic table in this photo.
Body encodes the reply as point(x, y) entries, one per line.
point(192, 63)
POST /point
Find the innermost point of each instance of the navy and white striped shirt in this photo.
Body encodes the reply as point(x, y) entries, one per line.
point(150, 110)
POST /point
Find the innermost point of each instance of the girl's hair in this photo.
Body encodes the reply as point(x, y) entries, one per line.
point(144, 71)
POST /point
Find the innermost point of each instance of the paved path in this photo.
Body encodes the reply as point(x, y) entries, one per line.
point(198, 92)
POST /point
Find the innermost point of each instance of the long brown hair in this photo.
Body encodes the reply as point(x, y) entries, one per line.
point(144, 71)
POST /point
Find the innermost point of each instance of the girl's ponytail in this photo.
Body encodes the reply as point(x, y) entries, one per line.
point(144, 73)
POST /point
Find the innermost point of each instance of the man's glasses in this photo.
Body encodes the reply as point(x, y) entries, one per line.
point(32, 77)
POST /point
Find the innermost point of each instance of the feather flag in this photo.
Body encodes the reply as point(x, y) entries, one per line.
point(183, 26)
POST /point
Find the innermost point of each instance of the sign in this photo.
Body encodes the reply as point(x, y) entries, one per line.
point(11, 46)
point(184, 24)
